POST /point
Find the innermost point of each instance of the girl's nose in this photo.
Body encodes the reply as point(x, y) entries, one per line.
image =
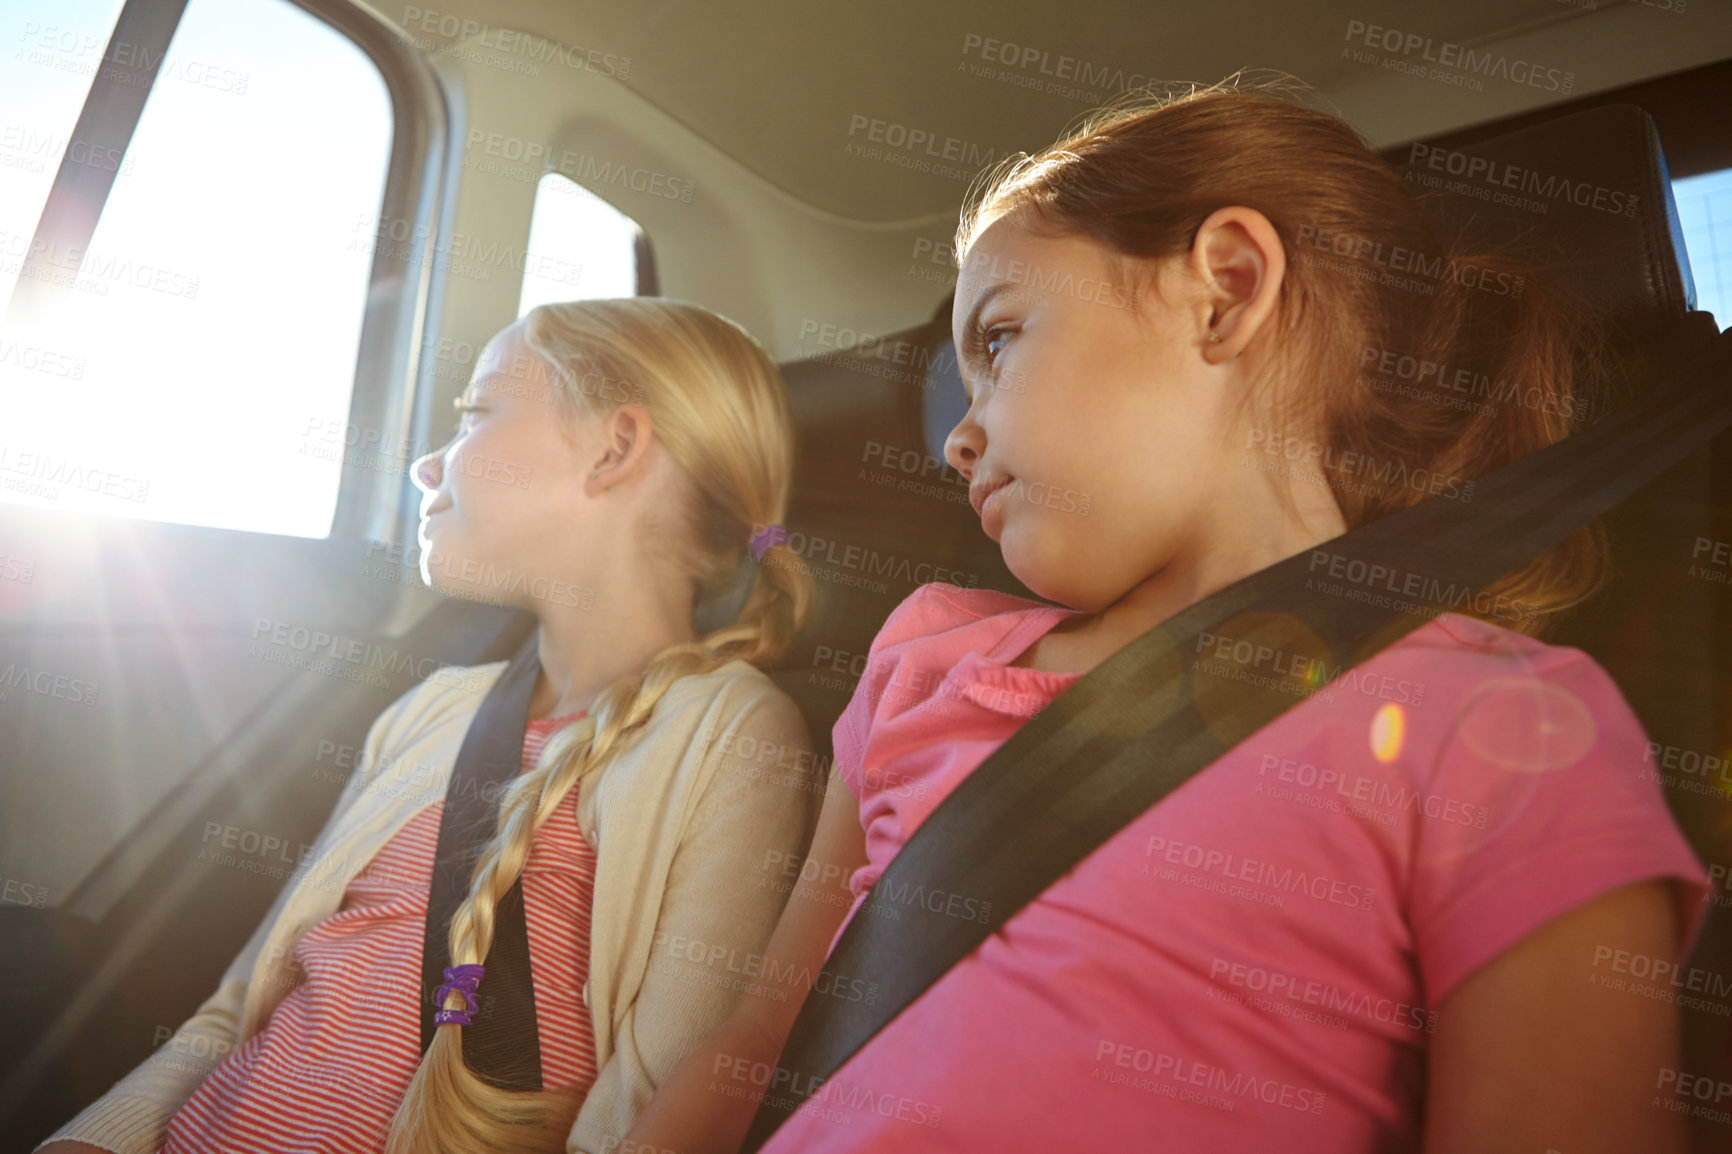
point(425, 472)
point(959, 448)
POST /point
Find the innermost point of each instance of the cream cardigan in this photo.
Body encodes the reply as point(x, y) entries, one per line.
point(686, 822)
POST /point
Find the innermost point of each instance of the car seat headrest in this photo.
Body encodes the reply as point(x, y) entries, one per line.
point(1586, 195)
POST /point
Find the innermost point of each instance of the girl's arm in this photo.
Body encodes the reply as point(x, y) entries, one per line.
point(715, 909)
point(696, 1110)
point(1533, 1052)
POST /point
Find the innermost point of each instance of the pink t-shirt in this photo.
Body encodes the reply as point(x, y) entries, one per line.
point(1255, 963)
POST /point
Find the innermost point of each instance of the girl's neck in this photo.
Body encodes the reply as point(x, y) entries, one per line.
point(1078, 643)
point(576, 666)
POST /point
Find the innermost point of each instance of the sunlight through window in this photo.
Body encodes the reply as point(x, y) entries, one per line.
point(1705, 210)
point(215, 316)
point(580, 247)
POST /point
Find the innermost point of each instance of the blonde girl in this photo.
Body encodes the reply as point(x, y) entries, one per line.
point(616, 463)
point(1323, 941)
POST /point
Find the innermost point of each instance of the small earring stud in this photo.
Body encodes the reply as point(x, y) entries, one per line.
point(1214, 337)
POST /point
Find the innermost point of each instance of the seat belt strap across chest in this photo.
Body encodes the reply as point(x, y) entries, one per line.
point(1141, 723)
point(501, 1044)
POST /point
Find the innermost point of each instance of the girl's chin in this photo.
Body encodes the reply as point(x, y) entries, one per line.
point(462, 592)
point(1022, 566)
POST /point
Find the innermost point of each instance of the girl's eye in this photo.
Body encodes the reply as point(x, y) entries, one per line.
point(986, 342)
point(983, 344)
point(463, 409)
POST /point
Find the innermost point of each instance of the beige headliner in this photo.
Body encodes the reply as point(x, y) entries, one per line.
point(777, 84)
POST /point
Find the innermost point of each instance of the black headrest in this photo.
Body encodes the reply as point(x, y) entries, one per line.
point(876, 512)
point(1586, 195)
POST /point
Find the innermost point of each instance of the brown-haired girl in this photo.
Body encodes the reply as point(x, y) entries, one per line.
point(1389, 919)
point(614, 464)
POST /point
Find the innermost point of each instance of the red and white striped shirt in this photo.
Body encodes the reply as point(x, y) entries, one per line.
point(329, 1068)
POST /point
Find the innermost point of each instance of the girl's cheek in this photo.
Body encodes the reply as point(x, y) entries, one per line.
point(459, 471)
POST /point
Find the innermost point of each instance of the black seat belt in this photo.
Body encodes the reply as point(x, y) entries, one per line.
point(501, 1044)
point(1138, 725)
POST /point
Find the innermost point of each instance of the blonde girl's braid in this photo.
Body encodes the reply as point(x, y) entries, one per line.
point(717, 402)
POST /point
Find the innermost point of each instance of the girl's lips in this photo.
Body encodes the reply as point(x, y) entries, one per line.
point(980, 506)
point(991, 512)
point(427, 520)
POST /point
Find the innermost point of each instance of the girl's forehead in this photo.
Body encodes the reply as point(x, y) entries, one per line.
point(507, 363)
point(1007, 233)
point(498, 354)
point(1012, 249)
point(995, 254)
point(1034, 262)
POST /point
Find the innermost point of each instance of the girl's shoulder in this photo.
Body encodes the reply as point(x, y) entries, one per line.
point(1470, 687)
point(925, 637)
point(1526, 780)
point(449, 696)
point(736, 686)
point(450, 699)
point(1457, 651)
point(1453, 655)
point(1478, 634)
point(459, 688)
point(719, 716)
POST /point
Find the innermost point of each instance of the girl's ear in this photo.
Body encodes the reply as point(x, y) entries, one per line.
point(625, 445)
point(1240, 259)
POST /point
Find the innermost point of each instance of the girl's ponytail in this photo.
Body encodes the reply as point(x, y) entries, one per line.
point(1521, 365)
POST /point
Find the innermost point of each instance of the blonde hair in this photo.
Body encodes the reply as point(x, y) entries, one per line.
point(717, 403)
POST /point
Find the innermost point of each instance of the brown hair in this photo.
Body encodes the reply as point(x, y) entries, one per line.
point(1141, 175)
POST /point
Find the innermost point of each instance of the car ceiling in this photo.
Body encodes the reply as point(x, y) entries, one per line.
point(777, 84)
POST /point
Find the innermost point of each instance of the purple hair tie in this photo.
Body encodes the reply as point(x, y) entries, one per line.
point(766, 537)
point(458, 980)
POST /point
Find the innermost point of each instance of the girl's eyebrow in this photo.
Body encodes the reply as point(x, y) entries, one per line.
point(966, 353)
point(963, 348)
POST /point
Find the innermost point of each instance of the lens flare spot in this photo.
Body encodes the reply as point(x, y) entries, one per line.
point(1388, 731)
point(1528, 725)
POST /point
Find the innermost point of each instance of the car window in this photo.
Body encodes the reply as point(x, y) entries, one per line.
point(580, 246)
point(228, 277)
point(1705, 209)
point(54, 49)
